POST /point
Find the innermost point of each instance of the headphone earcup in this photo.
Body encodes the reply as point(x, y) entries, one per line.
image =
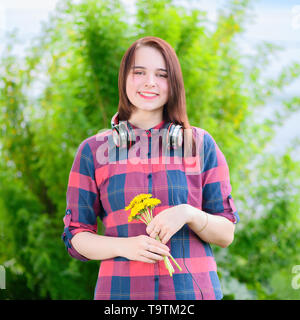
point(116, 136)
point(175, 136)
point(123, 135)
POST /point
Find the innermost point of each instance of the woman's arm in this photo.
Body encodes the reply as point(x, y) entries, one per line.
point(210, 228)
point(97, 247)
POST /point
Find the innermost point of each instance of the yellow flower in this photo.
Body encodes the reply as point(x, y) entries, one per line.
point(137, 209)
point(140, 204)
point(151, 203)
point(138, 199)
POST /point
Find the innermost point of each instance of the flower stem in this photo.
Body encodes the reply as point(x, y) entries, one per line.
point(143, 219)
point(167, 261)
point(151, 214)
point(177, 265)
point(168, 266)
point(148, 215)
point(144, 215)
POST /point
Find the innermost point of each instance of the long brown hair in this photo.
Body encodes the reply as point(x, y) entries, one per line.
point(175, 108)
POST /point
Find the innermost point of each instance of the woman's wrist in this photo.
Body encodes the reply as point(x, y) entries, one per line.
point(121, 246)
point(195, 216)
point(189, 212)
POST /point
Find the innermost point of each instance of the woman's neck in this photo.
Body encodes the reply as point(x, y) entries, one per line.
point(145, 119)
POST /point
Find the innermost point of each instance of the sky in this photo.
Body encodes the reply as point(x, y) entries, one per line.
point(276, 21)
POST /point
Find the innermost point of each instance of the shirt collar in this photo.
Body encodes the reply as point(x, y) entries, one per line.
point(158, 126)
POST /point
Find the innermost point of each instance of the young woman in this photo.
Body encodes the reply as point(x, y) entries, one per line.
point(196, 204)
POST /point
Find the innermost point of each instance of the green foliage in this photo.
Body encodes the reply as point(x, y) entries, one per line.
point(269, 243)
point(66, 89)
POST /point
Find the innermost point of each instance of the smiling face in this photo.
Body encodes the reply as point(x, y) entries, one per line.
point(147, 83)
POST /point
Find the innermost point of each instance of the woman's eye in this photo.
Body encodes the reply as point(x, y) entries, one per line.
point(160, 75)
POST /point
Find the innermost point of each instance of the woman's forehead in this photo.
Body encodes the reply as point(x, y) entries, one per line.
point(149, 58)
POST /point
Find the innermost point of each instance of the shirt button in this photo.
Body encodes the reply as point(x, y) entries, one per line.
point(148, 132)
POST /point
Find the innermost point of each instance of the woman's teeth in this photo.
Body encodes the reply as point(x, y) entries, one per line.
point(148, 94)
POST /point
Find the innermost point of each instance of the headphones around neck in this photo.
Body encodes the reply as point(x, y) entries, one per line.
point(123, 133)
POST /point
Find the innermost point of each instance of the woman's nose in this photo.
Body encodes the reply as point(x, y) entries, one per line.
point(150, 80)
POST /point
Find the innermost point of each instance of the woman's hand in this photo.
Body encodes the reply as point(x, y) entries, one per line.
point(168, 222)
point(145, 249)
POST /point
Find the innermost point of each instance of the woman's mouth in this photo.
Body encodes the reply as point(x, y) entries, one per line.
point(149, 96)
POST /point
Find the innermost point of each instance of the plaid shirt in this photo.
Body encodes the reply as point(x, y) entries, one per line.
point(101, 188)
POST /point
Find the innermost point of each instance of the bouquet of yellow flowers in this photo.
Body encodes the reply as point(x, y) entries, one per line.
point(141, 209)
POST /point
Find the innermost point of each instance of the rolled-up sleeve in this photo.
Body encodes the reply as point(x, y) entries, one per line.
point(83, 204)
point(216, 187)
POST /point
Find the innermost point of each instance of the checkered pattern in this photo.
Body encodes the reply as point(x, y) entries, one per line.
point(102, 190)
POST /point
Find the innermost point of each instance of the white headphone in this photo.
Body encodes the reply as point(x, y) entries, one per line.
point(123, 133)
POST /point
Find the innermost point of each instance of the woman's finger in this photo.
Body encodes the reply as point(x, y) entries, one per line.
point(150, 228)
point(160, 248)
point(145, 259)
point(165, 238)
point(158, 244)
point(149, 252)
point(153, 226)
point(153, 256)
point(154, 233)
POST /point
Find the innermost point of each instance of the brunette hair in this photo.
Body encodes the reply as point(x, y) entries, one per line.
point(175, 108)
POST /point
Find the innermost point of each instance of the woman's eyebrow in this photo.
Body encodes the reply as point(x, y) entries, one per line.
point(140, 67)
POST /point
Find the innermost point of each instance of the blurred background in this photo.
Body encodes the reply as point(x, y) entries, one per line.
point(59, 63)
